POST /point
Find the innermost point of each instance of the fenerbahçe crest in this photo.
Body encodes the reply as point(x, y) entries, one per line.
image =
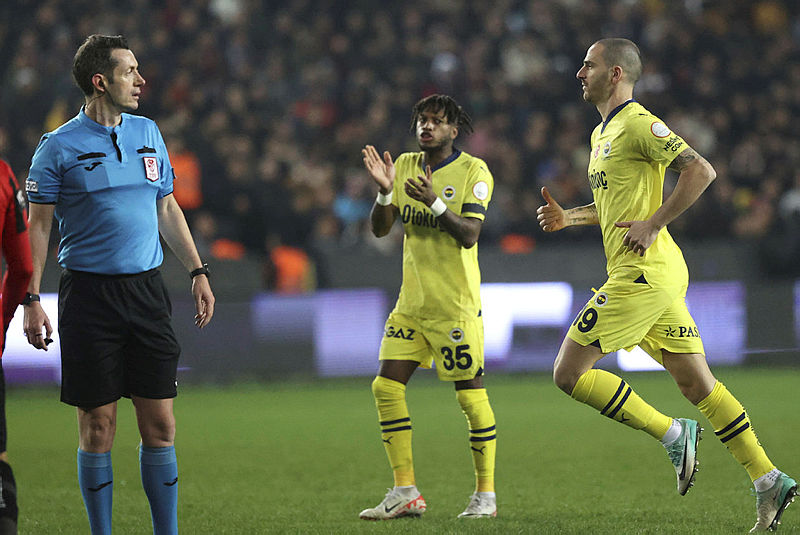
point(606, 150)
point(456, 335)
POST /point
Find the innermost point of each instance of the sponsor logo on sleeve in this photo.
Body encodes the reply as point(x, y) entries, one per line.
point(31, 186)
point(674, 143)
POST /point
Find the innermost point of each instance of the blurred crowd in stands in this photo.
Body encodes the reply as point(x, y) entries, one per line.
point(265, 107)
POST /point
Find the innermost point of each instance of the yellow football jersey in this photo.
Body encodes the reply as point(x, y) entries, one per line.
point(441, 279)
point(630, 152)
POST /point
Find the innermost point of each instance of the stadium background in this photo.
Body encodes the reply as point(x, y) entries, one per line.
point(265, 107)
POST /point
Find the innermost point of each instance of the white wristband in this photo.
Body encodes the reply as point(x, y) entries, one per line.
point(438, 207)
point(384, 200)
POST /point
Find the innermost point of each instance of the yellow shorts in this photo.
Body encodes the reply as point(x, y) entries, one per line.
point(624, 314)
point(455, 346)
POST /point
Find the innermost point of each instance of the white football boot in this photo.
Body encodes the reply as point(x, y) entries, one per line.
point(399, 502)
point(481, 505)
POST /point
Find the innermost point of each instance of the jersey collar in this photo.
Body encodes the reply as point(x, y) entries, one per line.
point(614, 112)
point(94, 126)
point(449, 159)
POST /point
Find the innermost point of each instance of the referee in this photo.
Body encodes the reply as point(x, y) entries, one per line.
point(107, 178)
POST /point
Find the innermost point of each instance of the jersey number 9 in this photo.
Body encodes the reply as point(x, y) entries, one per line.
point(586, 320)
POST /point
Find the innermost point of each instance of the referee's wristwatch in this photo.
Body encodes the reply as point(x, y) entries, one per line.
point(30, 298)
point(203, 270)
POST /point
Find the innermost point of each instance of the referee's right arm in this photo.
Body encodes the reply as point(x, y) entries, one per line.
point(40, 219)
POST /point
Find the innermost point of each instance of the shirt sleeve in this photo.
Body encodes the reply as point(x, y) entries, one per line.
point(165, 166)
point(656, 141)
point(44, 179)
point(480, 185)
point(15, 245)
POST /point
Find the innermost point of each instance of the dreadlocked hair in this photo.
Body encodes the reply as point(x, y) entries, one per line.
point(454, 113)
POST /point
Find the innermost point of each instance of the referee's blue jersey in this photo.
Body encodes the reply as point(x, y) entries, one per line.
point(104, 182)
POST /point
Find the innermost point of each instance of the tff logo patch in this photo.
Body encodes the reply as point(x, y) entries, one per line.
point(150, 168)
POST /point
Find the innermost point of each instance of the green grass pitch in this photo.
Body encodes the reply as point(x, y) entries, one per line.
point(305, 457)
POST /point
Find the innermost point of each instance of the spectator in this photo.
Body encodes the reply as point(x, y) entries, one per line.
point(188, 187)
point(275, 99)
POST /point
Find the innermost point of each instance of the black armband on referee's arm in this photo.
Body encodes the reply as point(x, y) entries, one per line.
point(203, 270)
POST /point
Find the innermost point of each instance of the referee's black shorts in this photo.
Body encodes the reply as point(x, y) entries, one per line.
point(116, 338)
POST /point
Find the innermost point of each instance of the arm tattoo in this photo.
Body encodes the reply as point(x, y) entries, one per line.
point(683, 160)
point(582, 215)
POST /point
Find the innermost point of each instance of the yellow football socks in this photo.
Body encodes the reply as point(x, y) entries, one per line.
point(615, 399)
point(732, 427)
point(390, 398)
point(482, 435)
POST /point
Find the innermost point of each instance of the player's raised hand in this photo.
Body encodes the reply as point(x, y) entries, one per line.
point(382, 170)
point(640, 235)
point(422, 189)
point(551, 215)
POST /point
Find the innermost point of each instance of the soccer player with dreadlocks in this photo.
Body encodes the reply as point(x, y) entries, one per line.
point(441, 195)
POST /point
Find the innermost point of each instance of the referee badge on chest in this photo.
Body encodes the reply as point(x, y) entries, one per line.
point(150, 168)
